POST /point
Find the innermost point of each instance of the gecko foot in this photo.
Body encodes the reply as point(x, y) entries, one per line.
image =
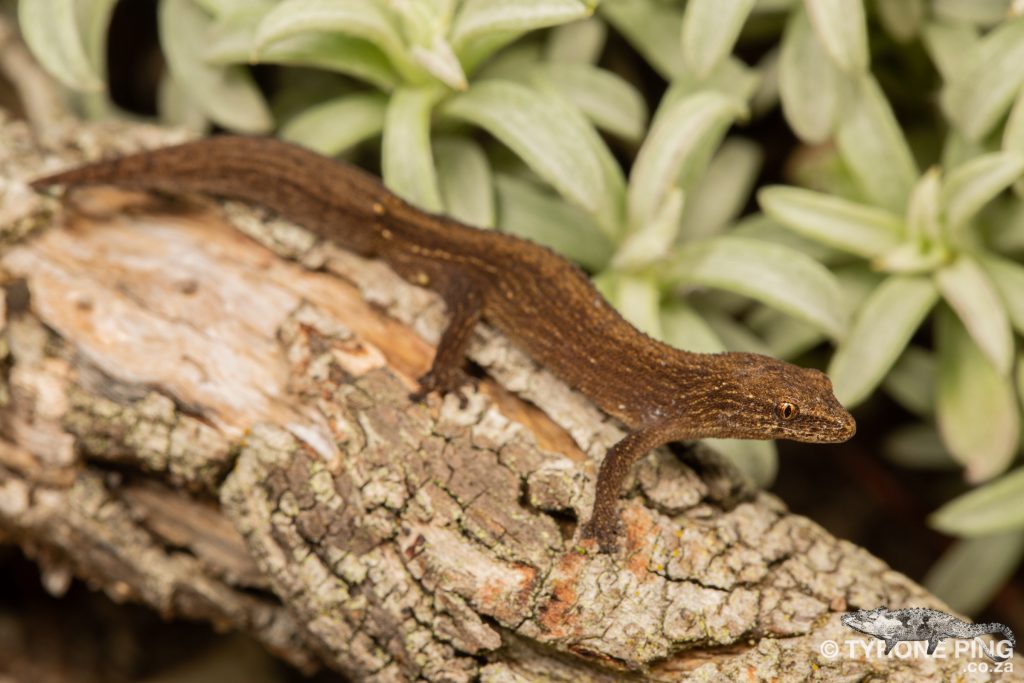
point(607, 535)
point(451, 381)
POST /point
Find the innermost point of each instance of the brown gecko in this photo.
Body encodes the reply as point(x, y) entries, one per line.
point(543, 303)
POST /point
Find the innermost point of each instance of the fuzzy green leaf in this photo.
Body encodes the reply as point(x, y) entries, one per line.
point(976, 407)
point(969, 291)
point(672, 143)
point(723, 190)
point(527, 211)
point(609, 101)
point(337, 125)
point(978, 12)
point(759, 460)
point(924, 212)
point(971, 572)
point(710, 30)
point(481, 17)
point(652, 28)
point(227, 95)
point(365, 19)
point(911, 381)
point(856, 228)
point(464, 174)
point(872, 144)
point(579, 42)
point(881, 330)
point(952, 47)
point(842, 28)
point(1013, 133)
point(980, 96)
point(51, 29)
point(808, 82)
point(636, 297)
point(685, 329)
point(406, 157)
point(1008, 278)
point(901, 18)
point(919, 447)
point(775, 275)
point(990, 509)
point(652, 241)
point(554, 140)
point(969, 187)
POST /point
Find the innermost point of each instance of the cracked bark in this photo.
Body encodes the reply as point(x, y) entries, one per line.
point(217, 425)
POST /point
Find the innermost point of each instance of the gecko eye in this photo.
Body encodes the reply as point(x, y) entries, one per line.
point(786, 410)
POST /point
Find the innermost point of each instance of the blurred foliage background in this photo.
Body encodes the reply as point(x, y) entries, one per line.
point(838, 183)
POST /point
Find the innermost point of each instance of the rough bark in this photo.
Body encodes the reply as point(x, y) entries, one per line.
point(218, 426)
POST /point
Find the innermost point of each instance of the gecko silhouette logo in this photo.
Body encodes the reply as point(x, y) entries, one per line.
point(933, 626)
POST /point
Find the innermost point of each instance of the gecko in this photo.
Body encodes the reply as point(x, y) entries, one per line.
point(921, 623)
point(543, 303)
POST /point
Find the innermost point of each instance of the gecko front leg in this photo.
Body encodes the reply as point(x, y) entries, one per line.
point(447, 372)
point(604, 520)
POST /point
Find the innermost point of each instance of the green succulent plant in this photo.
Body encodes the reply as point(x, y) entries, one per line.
point(898, 245)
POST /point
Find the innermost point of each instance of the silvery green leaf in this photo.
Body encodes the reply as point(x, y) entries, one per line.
point(872, 144)
point(439, 60)
point(528, 211)
point(671, 144)
point(652, 28)
point(176, 108)
point(808, 82)
point(976, 406)
point(636, 297)
point(911, 382)
point(842, 28)
point(365, 19)
point(1013, 133)
point(972, 570)
point(978, 12)
point(971, 186)
point(226, 8)
point(785, 336)
point(913, 258)
point(757, 459)
point(970, 292)
point(652, 241)
point(52, 30)
point(515, 63)
point(482, 26)
point(732, 78)
point(856, 228)
point(953, 48)
point(578, 42)
point(464, 174)
point(924, 211)
point(723, 190)
point(227, 95)
point(337, 125)
point(766, 96)
point(683, 328)
point(710, 30)
point(232, 41)
point(901, 18)
point(761, 227)
point(777, 276)
point(610, 102)
point(767, 6)
point(735, 336)
point(980, 96)
point(554, 140)
point(919, 447)
point(1008, 278)
point(94, 18)
point(881, 329)
point(990, 509)
point(407, 161)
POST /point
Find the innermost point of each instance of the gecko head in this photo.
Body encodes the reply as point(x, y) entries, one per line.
point(876, 622)
point(772, 399)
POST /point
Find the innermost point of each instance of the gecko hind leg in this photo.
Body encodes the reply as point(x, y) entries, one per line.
point(447, 373)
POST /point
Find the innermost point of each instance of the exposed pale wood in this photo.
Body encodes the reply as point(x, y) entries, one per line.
point(197, 423)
